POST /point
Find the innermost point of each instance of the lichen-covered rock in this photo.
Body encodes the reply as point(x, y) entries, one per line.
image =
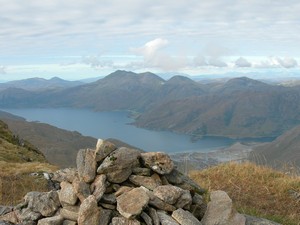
point(81, 189)
point(159, 162)
point(55, 220)
point(124, 221)
point(154, 216)
point(185, 217)
point(67, 174)
point(118, 165)
point(103, 149)
point(67, 194)
point(220, 211)
point(89, 213)
point(105, 216)
point(98, 187)
point(132, 203)
point(86, 165)
point(70, 212)
point(45, 203)
point(168, 193)
point(148, 182)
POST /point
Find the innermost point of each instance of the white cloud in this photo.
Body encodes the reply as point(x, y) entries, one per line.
point(277, 62)
point(242, 62)
point(3, 70)
point(96, 62)
point(216, 62)
point(286, 62)
point(200, 61)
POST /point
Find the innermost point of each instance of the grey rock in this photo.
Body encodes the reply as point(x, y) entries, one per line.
point(141, 171)
point(2, 222)
point(122, 190)
point(220, 211)
point(146, 218)
point(158, 203)
point(69, 222)
point(109, 199)
point(70, 213)
point(89, 213)
point(108, 206)
point(185, 200)
point(11, 217)
point(5, 209)
point(98, 187)
point(251, 220)
point(198, 211)
point(45, 203)
point(105, 216)
point(124, 221)
point(28, 215)
point(148, 182)
point(168, 193)
point(197, 199)
point(118, 165)
point(159, 162)
point(166, 219)
point(81, 189)
point(103, 149)
point(67, 174)
point(175, 177)
point(55, 220)
point(67, 194)
point(154, 216)
point(86, 165)
point(132, 203)
point(185, 217)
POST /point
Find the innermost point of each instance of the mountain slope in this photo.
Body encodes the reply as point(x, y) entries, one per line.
point(283, 150)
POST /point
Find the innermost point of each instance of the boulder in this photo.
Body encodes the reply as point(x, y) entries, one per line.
point(67, 194)
point(86, 165)
point(165, 219)
point(55, 220)
point(148, 182)
point(185, 217)
point(89, 213)
point(103, 149)
point(168, 193)
point(159, 162)
point(124, 221)
point(98, 187)
point(251, 220)
point(81, 189)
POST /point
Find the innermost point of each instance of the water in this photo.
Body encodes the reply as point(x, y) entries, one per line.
point(116, 125)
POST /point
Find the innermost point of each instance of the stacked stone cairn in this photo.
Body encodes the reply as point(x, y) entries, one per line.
point(123, 186)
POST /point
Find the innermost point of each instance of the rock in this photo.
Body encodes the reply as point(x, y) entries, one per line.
point(158, 203)
point(132, 203)
point(154, 216)
point(109, 199)
point(29, 215)
point(2, 222)
point(166, 219)
point(159, 162)
point(175, 177)
point(67, 174)
point(103, 149)
point(55, 220)
point(5, 209)
point(148, 182)
point(86, 165)
point(146, 218)
point(118, 165)
point(251, 220)
point(81, 189)
point(69, 222)
point(89, 213)
point(185, 217)
point(190, 185)
point(108, 206)
point(45, 203)
point(122, 190)
point(67, 194)
point(141, 171)
point(98, 187)
point(185, 200)
point(124, 221)
point(10, 217)
point(168, 193)
point(105, 216)
point(70, 212)
point(220, 211)
point(198, 211)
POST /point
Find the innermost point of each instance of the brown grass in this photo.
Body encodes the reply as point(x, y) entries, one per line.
point(15, 180)
point(255, 190)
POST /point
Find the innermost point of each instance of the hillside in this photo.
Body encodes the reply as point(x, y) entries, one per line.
point(284, 150)
point(239, 107)
point(59, 146)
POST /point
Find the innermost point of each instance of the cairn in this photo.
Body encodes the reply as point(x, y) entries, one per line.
point(123, 186)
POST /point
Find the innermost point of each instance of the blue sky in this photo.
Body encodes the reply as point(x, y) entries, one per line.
point(87, 38)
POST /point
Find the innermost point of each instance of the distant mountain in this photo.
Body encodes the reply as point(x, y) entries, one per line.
point(34, 84)
point(283, 151)
point(238, 107)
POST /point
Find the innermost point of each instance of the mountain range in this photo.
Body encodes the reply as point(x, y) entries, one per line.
point(239, 107)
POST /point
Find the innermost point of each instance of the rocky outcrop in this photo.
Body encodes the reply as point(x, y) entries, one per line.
point(115, 186)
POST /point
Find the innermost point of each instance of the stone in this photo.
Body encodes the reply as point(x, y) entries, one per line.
point(67, 194)
point(5, 209)
point(109, 199)
point(185, 217)
point(105, 216)
point(168, 193)
point(86, 165)
point(2, 222)
point(175, 177)
point(166, 219)
point(185, 200)
point(108, 206)
point(124, 221)
point(45, 203)
point(147, 219)
point(154, 216)
point(29, 215)
point(118, 165)
point(148, 182)
point(55, 220)
point(69, 222)
point(220, 211)
point(251, 220)
point(190, 185)
point(70, 212)
point(81, 189)
point(159, 162)
point(89, 213)
point(98, 187)
point(158, 203)
point(10, 217)
point(197, 199)
point(132, 203)
point(122, 190)
point(67, 174)
point(141, 171)
point(198, 211)
point(103, 149)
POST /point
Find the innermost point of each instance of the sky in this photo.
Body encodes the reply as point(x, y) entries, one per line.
point(77, 39)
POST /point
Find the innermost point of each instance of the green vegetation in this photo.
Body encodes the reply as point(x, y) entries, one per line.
point(256, 190)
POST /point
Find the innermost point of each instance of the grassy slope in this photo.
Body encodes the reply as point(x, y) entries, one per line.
point(256, 190)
